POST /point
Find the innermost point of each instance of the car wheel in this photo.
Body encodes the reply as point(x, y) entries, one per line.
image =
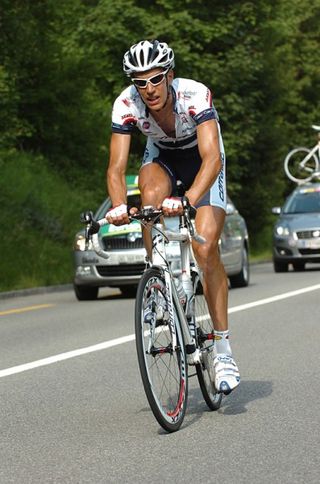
point(242, 278)
point(128, 291)
point(298, 266)
point(85, 293)
point(280, 266)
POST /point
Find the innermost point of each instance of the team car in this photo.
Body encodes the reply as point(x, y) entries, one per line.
point(127, 260)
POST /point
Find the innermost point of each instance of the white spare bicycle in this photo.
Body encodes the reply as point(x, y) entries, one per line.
point(303, 164)
point(173, 327)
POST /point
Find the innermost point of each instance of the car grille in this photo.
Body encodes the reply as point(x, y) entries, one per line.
point(121, 270)
point(116, 243)
point(309, 251)
point(306, 234)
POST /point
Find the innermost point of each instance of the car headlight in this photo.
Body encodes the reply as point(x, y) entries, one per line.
point(282, 230)
point(80, 243)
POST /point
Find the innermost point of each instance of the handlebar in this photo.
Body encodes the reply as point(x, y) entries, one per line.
point(147, 214)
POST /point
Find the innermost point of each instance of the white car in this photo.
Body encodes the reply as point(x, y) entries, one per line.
point(126, 263)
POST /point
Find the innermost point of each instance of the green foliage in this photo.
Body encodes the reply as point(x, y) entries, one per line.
point(61, 69)
point(39, 217)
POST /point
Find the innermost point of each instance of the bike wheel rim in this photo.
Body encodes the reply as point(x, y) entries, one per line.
point(165, 370)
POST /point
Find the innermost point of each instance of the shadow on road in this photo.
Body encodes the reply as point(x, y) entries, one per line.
point(237, 402)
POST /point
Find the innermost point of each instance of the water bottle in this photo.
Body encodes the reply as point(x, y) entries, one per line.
point(181, 294)
point(188, 289)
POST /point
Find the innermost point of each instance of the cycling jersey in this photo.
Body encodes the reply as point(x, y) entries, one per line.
point(192, 103)
point(192, 106)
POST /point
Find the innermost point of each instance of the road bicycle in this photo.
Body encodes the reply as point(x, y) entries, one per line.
point(173, 327)
point(303, 164)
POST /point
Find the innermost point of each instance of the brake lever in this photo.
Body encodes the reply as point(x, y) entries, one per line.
point(92, 227)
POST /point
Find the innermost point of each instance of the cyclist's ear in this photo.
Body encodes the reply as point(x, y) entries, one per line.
point(170, 76)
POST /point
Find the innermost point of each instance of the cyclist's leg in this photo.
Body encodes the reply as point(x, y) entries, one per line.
point(155, 184)
point(209, 223)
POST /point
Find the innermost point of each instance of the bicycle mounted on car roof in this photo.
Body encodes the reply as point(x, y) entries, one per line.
point(303, 164)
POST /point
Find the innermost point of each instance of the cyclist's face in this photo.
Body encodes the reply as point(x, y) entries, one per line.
point(155, 93)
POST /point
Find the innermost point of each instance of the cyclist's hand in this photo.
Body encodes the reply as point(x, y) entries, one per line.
point(118, 215)
point(172, 206)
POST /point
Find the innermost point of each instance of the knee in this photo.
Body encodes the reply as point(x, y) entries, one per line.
point(208, 254)
point(154, 185)
point(151, 194)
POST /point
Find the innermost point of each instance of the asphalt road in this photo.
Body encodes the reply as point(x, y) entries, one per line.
point(73, 409)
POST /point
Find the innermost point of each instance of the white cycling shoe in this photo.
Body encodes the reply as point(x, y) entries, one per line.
point(227, 376)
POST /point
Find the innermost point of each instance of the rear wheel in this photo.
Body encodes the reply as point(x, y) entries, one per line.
point(205, 369)
point(300, 164)
point(298, 266)
point(161, 352)
point(85, 293)
point(242, 278)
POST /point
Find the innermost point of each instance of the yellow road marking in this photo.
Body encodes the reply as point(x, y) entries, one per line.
point(27, 308)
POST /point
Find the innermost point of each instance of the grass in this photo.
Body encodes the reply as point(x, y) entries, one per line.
point(39, 217)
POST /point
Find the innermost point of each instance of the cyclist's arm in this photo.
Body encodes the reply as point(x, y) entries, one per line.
point(116, 171)
point(209, 149)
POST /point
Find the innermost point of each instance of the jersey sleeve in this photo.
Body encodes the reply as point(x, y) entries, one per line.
point(201, 108)
point(123, 118)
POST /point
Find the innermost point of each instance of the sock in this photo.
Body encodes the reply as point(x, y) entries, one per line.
point(221, 342)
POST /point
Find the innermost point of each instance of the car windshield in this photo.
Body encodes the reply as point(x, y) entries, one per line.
point(303, 202)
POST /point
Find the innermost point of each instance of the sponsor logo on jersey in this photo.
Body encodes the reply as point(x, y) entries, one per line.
point(220, 179)
point(183, 117)
point(186, 95)
point(192, 110)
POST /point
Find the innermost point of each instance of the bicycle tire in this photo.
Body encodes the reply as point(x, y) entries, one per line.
point(163, 368)
point(205, 341)
point(293, 168)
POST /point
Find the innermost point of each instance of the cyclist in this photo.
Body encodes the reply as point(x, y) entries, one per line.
point(183, 143)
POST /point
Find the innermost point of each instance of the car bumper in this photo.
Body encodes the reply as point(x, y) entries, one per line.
point(290, 249)
point(121, 268)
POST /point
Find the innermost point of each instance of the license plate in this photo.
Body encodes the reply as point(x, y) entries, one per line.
point(310, 244)
point(130, 259)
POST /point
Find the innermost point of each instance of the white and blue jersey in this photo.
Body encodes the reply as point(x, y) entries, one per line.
point(192, 106)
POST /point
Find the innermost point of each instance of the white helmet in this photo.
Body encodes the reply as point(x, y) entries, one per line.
point(147, 55)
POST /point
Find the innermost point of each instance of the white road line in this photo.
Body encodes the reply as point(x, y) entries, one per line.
point(126, 339)
point(272, 299)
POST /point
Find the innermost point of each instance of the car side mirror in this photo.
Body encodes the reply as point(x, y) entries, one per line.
point(276, 210)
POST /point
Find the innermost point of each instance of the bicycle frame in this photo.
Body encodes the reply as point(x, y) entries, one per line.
point(315, 150)
point(160, 236)
point(159, 259)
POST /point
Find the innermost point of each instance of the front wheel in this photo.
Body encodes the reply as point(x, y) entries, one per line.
point(280, 266)
point(242, 278)
point(205, 337)
point(161, 351)
point(300, 165)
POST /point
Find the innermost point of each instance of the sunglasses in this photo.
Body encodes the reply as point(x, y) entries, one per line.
point(154, 80)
